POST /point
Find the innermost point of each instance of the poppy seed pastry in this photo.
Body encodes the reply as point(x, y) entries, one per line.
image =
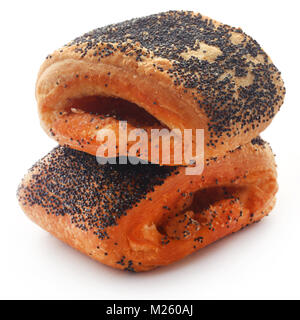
point(139, 217)
point(173, 70)
point(170, 70)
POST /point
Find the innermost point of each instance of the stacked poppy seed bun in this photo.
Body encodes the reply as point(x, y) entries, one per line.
point(173, 70)
point(183, 69)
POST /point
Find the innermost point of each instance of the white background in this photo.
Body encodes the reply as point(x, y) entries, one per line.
point(260, 262)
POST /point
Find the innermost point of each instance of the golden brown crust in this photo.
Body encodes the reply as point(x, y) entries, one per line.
point(171, 70)
point(186, 70)
point(139, 218)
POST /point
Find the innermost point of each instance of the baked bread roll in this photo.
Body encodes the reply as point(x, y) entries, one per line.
point(174, 70)
point(170, 70)
point(138, 217)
